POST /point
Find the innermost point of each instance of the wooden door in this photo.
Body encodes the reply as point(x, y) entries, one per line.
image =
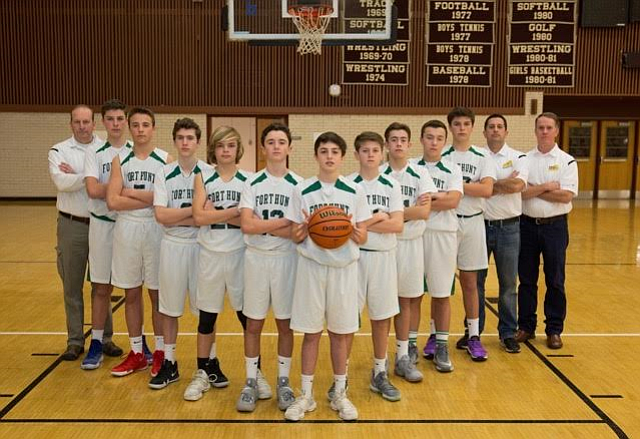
point(615, 155)
point(579, 138)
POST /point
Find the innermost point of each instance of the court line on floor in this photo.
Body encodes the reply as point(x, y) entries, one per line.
point(357, 334)
point(579, 393)
point(304, 421)
point(15, 401)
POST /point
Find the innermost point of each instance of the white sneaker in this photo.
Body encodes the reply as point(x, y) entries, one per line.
point(264, 389)
point(198, 386)
point(300, 406)
point(346, 410)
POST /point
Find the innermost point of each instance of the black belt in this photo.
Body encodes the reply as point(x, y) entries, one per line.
point(503, 222)
point(80, 219)
point(548, 220)
point(223, 226)
point(469, 216)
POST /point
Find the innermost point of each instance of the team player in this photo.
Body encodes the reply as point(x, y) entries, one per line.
point(326, 280)
point(97, 169)
point(502, 226)
point(270, 262)
point(416, 186)
point(478, 174)
point(172, 201)
point(440, 240)
point(377, 266)
point(220, 266)
point(137, 235)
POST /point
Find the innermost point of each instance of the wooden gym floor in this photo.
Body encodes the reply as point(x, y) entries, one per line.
point(588, 389)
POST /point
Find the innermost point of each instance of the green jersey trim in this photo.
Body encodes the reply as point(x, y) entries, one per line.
point(157, 157)
point(387, 171)
point(104, 147)
point(412, 172)
point(240, 177)
point(176, 171)
point(442, 167)
point(290, 179)
point(344, 187)
point(127, 158)
point(384, 181)
point(314, 187)
point(358, 179)
point(476, 152)
point(103, 218)
point(212, 178)
point(260, 179)
point(448, 151)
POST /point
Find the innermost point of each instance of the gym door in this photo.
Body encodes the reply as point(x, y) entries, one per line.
point(579, 138)
point(615, 159)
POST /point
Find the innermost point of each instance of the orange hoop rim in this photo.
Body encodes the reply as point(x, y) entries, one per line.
point(310, 11)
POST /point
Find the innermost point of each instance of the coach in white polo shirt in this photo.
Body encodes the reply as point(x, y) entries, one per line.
point(502, 225)
point(66, 167)
point(552, 184)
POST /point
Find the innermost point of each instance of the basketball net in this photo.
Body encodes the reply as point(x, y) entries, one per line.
point(311, 21)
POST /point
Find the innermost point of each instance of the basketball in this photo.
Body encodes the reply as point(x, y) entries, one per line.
point(330, 227)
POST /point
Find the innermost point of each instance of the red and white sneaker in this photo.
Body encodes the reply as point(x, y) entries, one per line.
point(133, 363)
point(158, 358)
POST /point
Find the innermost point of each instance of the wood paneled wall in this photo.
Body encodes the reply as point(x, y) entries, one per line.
point(172, 55)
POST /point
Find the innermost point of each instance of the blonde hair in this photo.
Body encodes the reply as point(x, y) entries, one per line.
point(222, 134)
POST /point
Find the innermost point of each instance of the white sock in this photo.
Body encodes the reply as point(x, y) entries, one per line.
point(136, 344)
point(474, 327)
point(379, 365)
point(284, 366)
point(170, 352)
point(341, 383)
point(159, 342)
point(251, 365)
point(97, 334)
point(433, 327)
point(413, 337)
point(307, 385)
point(402, 348)
point(213, 354)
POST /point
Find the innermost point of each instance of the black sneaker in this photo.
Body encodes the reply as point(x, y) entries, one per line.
point(463, 342)
point(510, 345)
point(168, 374)
point(216, 377)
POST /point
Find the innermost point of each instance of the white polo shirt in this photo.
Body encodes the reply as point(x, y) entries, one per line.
point(505, 206)
point(475, 166)
point(72, 193)
point(556, 165)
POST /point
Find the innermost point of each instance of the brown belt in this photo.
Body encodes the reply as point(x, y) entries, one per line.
point(80, 219)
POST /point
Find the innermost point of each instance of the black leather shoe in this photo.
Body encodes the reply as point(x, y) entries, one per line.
point(72, 353)
point(111, 349)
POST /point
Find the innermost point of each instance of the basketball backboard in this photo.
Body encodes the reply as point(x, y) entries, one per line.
point(268, 22)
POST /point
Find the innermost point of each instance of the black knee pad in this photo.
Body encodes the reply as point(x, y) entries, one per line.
point(206, 322)
point(243, 319)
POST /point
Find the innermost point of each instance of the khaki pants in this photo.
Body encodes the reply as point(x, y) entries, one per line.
point(72, 254)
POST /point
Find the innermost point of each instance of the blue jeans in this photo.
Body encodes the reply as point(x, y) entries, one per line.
point(550, 241)
point(504, 242)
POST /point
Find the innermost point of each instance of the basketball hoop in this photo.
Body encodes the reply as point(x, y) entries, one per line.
point(311, 21)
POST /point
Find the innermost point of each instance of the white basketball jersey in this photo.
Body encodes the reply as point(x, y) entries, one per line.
point(313, 194)
point(222, 237)
point(97, 164)
point(269, 197)
point(474, 166)
point(414, 181)
point(383, 195)
point(446, 177)
point(140, 174)
point(174, 189)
